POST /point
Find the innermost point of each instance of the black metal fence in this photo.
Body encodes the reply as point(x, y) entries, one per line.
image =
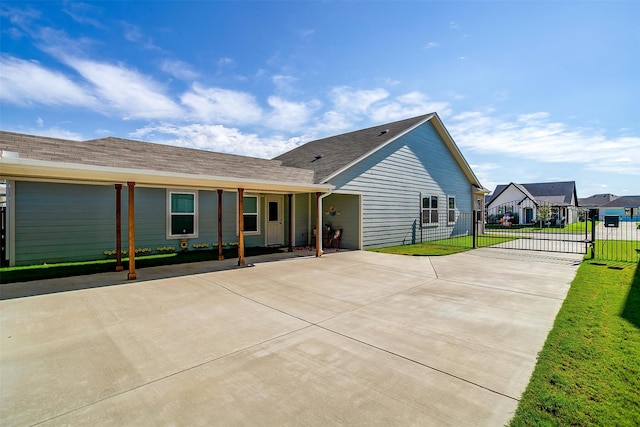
point(616, 240)
point(579, 234)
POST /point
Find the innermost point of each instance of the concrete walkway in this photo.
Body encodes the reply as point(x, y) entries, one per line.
point(352, 338)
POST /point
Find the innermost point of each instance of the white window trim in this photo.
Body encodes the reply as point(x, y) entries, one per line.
point(195, 214)
point(455, 208)
point(430, 209)
point(258, 199)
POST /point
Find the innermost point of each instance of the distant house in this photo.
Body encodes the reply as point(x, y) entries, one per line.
point(594, 202)
point(519, 203)
point(379, 185)
point(627, 208)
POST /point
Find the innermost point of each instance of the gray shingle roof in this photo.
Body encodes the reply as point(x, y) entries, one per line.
point(623, 202)
point(130, 154)
point(597, 200)
point(555, 193)
point(340, 151)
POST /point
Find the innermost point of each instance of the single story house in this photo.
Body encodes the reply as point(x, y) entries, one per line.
point(627, 208)
point(519, 203)
point(376, 185)
point(594, 202)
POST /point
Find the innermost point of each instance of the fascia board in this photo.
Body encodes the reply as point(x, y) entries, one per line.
point(12, 168)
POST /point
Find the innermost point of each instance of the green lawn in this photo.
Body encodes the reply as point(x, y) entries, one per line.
point(444, 246)
point(617, 250)
point(588, 373)
point(574, 228)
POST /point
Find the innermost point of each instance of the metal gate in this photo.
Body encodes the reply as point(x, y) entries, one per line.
point(551, 229)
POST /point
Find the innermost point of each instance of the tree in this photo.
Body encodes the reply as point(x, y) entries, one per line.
point(544, 213)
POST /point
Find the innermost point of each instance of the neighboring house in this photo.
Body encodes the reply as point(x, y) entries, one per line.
point(627, 208)
point(520, 203)
point(594, 202)
point(65, 200)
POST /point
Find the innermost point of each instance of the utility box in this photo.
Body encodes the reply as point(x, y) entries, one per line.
point(611, 221)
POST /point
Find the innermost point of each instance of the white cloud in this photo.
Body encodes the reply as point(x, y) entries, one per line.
point(126, 91)
point(225, 61)
point(222, 105)
point(81, 12)
point(306, 33)
point(26, 82)
point(40, 122)
point(52, 132)
point(432, 45)
point(453, 25)
point(283, 82)
point(132, 32)
point(355, 101)
point(408, 105)
point(216, 138)
point(535, 137)
point(179, 69)
point(288, 115)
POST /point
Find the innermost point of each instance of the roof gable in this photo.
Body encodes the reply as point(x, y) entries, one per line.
point(326, 156)
point(554, 193)
point(330, 156)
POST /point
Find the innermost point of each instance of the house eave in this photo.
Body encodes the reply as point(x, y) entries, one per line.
point(40, 170)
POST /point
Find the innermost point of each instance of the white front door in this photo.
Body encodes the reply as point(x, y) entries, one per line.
point(275, 223)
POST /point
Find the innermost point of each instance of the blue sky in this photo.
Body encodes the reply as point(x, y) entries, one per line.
point(531, 91)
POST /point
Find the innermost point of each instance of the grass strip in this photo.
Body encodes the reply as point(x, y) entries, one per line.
point(51, 271)
point(617, 250)
point(444, 246)
point(588, 373)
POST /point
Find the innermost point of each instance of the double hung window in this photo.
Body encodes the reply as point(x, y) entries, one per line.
point(429, 210)
point(451, 210)
point(182, 210)
point(251, 214)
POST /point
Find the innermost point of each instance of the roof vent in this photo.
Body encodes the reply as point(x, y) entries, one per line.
point(382, 132)
point(317, 157)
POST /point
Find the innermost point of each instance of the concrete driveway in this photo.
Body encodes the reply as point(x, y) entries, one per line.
point(352, 338)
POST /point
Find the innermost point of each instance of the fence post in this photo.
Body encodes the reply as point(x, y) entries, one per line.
point(474, 226)
point(593, 236)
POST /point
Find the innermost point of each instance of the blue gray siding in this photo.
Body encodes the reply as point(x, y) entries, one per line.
point(392, 181)
point(57, 222)
point(301, 219)
point(62, 222)
point(346, 217)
